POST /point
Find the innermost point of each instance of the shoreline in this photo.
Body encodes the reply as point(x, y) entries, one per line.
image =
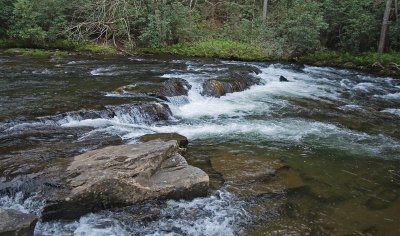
point(328, 58)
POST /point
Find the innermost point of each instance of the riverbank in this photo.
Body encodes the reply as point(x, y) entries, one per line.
point(58, 49)
point(387, 64)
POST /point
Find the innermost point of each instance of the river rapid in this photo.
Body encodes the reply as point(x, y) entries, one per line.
point(334, 135)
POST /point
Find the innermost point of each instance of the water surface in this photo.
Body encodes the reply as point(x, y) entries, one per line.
point(332, 134)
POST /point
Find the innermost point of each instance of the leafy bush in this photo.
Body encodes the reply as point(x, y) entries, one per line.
point(225, 49)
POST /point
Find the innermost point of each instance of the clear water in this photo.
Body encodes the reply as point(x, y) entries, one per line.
point(337, 131)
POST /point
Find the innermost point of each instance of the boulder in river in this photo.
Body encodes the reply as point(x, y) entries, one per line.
point(182, 140)
point(221, 86)
point(283, 79)
point(16, 223)
point(170, 88)
point(123, 175)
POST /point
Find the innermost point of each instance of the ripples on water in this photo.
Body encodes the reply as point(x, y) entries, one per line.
point(338, 129)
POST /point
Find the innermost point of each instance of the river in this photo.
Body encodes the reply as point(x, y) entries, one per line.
point(333, 134)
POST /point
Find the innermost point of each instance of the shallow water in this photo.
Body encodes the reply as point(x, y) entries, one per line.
point(332, 135)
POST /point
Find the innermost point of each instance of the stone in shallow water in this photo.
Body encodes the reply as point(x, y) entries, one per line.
point(15, 223)
point(249, 176)
point(221, 86)
point(182, 140)
point(169, 88)
point(124, 175)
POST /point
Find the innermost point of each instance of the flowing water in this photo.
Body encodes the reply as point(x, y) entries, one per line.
point(332, 134)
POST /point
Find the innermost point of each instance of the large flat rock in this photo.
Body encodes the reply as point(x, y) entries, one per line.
point(15, 223)
point(236, 82)
point(124, 175)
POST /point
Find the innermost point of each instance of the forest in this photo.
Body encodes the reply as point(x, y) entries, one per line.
point(199, 117)
point(279, 28)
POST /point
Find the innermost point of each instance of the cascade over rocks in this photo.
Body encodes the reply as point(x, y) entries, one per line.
point(123, 175)
point(237, 82)
point(16, 223)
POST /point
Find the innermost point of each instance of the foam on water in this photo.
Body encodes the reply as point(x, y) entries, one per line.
point(246, 116)
point(350, 107)
point(394, 111)
point(79, 62)
point(43, 72)
point(108, 71)
point(390, 96)
point(209, 117)
point(219, 214)
point(20, 202)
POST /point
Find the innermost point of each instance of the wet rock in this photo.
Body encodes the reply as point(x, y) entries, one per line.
point(136, 113)
point(15, 223)
point(222, 86)
point(182, 140)
point(124, 175)
point(46, 147)
point(174, 87)
point(283, 79)
point(139, 88)
point(245, 69)
point(169, 88)
point(249, 176)
point(381, 200)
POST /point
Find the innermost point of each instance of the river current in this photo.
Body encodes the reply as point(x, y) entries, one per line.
point(336, 131)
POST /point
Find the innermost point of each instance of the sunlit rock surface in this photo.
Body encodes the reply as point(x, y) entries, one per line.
point(125, 175)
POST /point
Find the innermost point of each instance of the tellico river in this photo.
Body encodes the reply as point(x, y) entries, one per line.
point(333, 134)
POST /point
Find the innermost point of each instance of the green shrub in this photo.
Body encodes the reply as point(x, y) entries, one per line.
point(225, 49)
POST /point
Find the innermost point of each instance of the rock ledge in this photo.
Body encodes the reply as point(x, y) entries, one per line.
point(123, 175)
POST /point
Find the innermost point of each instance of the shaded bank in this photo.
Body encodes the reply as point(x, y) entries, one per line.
point(387, 64)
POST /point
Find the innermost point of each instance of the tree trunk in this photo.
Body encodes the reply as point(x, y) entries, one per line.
point(265, 10)
point(385, 24)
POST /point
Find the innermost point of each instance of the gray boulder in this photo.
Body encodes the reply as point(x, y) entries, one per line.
point(123, 175)
point(182, 140)
point(235, 83)
point(170, 88)
point(16, 223)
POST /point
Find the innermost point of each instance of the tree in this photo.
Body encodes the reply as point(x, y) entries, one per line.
point(265, 10)
point(385, 24)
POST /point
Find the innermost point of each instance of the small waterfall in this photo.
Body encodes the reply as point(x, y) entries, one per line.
point(139, 114)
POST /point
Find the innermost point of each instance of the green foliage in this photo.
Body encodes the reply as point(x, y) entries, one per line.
point(35, 52)
point(25, 23)
point(95, 48)
point(363, 59)
point(300, 33)
point(6, 11)
point(293, 27)
point(394, 36)
point(225, 49)
point(354, 25)
point(37, 22)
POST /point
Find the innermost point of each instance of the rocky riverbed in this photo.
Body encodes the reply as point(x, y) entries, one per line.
point(172, 146)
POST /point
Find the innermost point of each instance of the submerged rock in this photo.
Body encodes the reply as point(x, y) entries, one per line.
point(124, 175)
point(182, 140)
point(222, 86)
point(16, 223)
point(283, 79)
point(174, 87)
point(249, 176)
point(169, 88)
